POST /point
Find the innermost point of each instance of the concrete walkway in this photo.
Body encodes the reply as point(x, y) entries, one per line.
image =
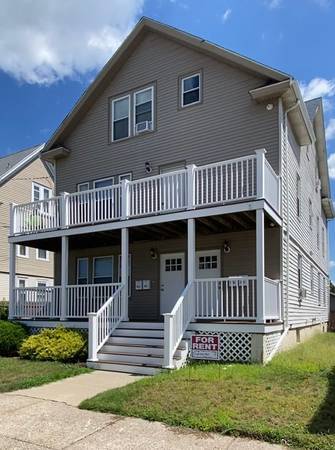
point(47, 418)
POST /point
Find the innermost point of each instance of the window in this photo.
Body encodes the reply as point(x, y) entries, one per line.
point(42, 254)
point(82, 271)
point(318, 233)
point(190, 90)
point(125, 176)
point(323, 239)
point(22, 283)
point(298, 191)
point(173, 167)
point(143, 110)
point(310, 213)
point(22, 251)
point(104, 182)
point(120, 118)
point(208, 262)
point(81, 187)
point(300, 272)
point(41, 284)
point(173, 265)
point(103, 269)
point(41, 193)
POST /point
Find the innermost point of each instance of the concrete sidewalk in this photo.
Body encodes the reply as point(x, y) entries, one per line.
point(47, 418)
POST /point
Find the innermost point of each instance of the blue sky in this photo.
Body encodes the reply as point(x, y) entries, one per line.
point(47, 60)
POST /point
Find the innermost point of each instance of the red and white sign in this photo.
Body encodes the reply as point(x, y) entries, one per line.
point(204, 346)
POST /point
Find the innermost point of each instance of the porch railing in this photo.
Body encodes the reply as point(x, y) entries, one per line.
point(272, 290)
point(239, 179)
point(88, 298)
point(225, 298)
point(176, 323)
point(103, 322)
point(37, 302)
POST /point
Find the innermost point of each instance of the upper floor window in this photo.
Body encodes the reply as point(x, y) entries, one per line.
point(121, 118)
point(298, 189)
point(42, 254)
point(125, 176)
point(190, 90)
point(41, 193)
point(143, 110)
point(104, 182)
point(81, 187)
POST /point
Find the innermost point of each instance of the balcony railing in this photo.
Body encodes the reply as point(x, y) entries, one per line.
point(231, 181)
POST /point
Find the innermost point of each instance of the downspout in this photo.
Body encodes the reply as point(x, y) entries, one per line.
point(297, 103)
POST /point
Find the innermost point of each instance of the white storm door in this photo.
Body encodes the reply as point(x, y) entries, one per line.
point(172, 280)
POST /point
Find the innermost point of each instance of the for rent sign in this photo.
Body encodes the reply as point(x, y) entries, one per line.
point(205, 347)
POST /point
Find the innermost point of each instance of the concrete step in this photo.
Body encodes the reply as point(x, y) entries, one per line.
point(142, 325)
point(146, 333)
point(119, 367)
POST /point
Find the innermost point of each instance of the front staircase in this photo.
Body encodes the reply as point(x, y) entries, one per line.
point(137, 347)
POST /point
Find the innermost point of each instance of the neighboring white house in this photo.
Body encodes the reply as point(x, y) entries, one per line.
point(192, 198)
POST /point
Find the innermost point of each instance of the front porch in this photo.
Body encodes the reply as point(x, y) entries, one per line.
point(208, 270)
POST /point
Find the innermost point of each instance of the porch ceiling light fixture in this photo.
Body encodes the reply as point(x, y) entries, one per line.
point(153, 254)
point(148, 167)
point(226, 247)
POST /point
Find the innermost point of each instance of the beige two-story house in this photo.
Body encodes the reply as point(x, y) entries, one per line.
point(24, 178)
point(192, 198)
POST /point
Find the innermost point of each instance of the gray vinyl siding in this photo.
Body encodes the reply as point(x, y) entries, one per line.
point(300, 239)
point(227, 124)
point(144, 305)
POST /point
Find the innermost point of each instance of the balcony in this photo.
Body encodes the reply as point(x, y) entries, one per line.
point(231, 181)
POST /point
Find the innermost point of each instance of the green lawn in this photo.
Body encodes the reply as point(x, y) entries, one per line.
point(291, 400)
point(18, 373)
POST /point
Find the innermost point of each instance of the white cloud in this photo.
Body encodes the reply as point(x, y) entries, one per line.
point(317, 87)
point(273, 4)
point(226, 15)
point(331, 166)
point(330, 129)
point(46, 41)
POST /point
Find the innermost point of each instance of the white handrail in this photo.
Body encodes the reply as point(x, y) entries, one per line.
point(176, 323)
point(37, 302)
point(102, 323)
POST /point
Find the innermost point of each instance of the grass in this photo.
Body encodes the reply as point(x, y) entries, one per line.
point(290, 401)
point(18, 373)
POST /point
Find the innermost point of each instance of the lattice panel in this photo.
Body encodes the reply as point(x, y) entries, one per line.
point(270, 341)
point(234, 347)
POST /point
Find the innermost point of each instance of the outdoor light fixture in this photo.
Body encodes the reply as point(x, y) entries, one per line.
point(148, 167)
point(226, 247)
point(269, 106)
point(153, 254)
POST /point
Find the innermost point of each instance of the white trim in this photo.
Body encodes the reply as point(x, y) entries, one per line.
point(42, 259)
point(26, 256)
point(21, 278)
point(123, 175)
point(93, 266)
point(102, 179)
point(112, 117)
point(41, 189)
point(77, 269)
point(129, 272)
point(190, 90)
point(151, 88)
point(85, 183)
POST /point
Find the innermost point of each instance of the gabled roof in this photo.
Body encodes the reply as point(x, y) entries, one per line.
point(13, 163)
point(312, 107)
point(116, 61)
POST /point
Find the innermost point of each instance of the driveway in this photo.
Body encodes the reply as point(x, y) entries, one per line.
point(47, 418)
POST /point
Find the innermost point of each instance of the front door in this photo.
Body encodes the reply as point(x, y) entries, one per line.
point(172, 278)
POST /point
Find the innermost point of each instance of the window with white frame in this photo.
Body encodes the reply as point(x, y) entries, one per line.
point(104, 182)
point(81, 187)
point(143, 110)
point(300, 274)
point(42, 254)
point(121, 118)
point(22, 251)
point(41, 284)
point(318, 233)
point(125, 176)
point(82, 271)
point(298, 193)
point(39, 193)
point(190, 90)
point(310, 213)
point(21, 283)
point(103, 269)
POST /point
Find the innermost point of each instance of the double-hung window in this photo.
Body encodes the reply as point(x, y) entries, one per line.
point(82, 271)
point(41, 193)
point(42, 254)
point(121, 118)
point(22, 251)
point(190, 90)
point(103, 269)
point(143, 110)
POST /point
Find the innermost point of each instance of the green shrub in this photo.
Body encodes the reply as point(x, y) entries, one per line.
point(11, 337)
point(57, 344)
point(3, 310)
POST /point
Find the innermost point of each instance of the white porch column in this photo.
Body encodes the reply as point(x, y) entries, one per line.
point(260, 158)
point(260, 265)
point(191, 245)
point(12, 276)
point(64, 276)
point(124, 270)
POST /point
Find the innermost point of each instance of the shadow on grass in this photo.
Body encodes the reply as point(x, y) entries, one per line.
point(323, 421)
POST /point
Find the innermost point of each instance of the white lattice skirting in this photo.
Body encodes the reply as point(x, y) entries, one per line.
point(233, 347)
point(270, 342)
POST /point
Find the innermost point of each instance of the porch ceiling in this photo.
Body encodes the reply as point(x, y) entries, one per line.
point(226, 223)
